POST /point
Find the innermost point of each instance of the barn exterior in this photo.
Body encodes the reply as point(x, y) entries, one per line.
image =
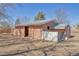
point(39, 29)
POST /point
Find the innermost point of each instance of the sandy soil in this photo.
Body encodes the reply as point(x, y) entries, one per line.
point(14, 46)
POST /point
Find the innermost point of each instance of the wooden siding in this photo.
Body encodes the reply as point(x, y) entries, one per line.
point(5, 30)
point(35, 33)
point(56, 30)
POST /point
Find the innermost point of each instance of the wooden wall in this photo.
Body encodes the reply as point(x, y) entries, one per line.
point(5, 30)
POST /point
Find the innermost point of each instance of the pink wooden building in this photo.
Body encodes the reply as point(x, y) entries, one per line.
point(34, 29)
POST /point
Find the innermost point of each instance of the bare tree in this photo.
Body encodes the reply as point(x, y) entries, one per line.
point(61, 16)
point(17, 21)
point(3, 7)
point(25, 19)
point(77, 25)
point(4, 16)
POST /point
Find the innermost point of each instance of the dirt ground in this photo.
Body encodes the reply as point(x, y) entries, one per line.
point(15, 46)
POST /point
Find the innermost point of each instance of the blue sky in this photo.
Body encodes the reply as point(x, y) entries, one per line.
point(31, 9)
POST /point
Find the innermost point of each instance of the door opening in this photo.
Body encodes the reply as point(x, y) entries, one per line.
point(26, 31)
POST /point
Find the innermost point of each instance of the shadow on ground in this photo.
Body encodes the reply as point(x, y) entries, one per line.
point(72, 36)
point(77, 54)
point(26, 51)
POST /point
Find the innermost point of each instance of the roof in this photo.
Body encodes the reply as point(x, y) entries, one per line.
point(39, 22)
point(60, 26)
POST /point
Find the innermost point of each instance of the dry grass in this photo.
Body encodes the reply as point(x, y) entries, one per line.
point(10, 45)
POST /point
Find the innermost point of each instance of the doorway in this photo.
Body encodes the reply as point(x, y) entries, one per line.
point(26, 31)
